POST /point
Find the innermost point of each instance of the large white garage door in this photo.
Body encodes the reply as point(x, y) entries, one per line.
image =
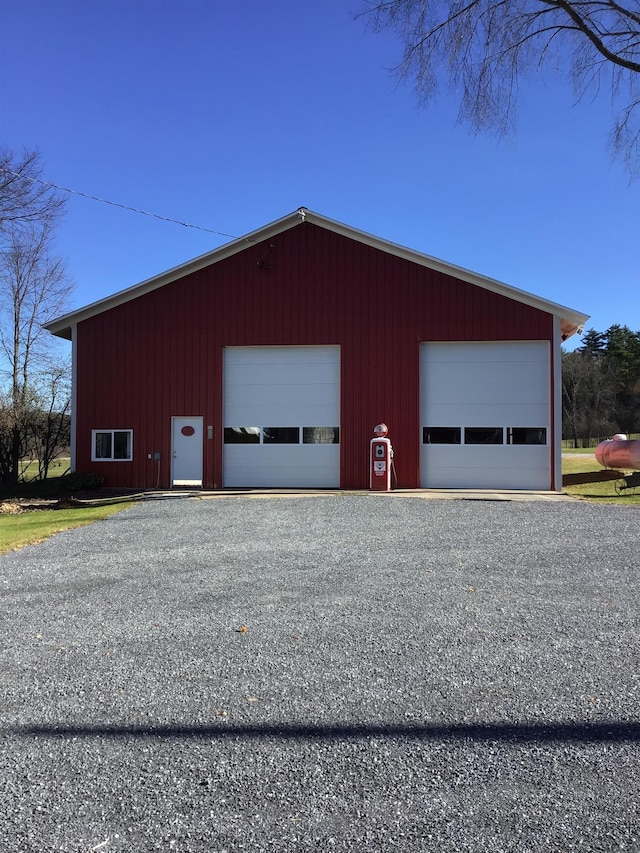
point(485, 415)
point(281, 415)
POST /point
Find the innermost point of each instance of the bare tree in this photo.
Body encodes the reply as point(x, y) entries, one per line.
point(33, 290)
point(588, 397)
point(24, 198)
point(49, 428)
point(483, 47)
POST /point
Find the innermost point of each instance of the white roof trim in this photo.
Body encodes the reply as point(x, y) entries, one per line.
point(571, 320)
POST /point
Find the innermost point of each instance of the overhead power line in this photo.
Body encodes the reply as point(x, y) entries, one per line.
point(117, 204)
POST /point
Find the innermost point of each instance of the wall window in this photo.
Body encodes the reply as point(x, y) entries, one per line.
point(441, 435)
point(281, 435)
point(242, 435)
point(111, 445)
point(526, 435)
point(483, 435)
point(321, 435)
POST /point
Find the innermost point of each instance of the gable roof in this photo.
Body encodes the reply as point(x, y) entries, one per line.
point(570, 321)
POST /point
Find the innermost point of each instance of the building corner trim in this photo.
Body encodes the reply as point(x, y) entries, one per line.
point(556, 405)
point(74, 393)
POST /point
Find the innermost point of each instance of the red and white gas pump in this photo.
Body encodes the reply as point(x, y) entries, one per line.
point(381, 460)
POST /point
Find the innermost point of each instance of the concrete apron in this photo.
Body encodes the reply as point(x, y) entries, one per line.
point(425, 494)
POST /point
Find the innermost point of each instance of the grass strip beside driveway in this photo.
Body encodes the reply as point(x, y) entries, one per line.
point(33, 526)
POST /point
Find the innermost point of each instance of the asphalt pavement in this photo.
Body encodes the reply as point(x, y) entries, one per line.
point(326, 672)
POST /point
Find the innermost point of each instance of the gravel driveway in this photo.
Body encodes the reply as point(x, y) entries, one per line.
point(324, 673)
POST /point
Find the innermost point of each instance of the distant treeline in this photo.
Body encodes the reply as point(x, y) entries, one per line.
point(601, 386)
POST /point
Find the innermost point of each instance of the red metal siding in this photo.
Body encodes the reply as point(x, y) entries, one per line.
point(160, 355)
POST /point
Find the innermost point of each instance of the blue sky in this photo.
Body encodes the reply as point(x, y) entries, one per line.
point(231, 115)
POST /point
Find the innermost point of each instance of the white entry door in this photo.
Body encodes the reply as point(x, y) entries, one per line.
point(186, 451)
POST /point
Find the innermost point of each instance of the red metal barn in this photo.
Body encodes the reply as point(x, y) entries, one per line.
point(268, 361)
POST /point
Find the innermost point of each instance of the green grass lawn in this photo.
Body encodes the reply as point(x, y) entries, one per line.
point(600, 492)
point(33, 526)
point(58, 467)
point(30, 526)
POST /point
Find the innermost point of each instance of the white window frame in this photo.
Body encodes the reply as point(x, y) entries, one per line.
point(111, 458)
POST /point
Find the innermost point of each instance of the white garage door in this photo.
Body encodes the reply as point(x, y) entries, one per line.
point(485, 415)
point(281, 415)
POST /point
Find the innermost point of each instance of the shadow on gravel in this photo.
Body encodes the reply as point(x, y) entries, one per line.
point(575, 732)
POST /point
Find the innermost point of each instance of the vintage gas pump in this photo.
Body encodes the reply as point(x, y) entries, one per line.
point(381, 460)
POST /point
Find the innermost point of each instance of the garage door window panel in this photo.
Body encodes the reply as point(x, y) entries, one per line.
point(526, 435)
point(320, 435)
point(441, 435)
point(242, 435)
point(281, 435)
point(484, 435)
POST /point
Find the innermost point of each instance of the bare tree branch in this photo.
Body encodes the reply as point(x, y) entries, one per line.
point(23, 199)
point(596, 32)
point(33, 289)
point(482, 48)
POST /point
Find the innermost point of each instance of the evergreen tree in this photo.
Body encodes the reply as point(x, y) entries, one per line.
point(622, 348)
point(593, 342)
